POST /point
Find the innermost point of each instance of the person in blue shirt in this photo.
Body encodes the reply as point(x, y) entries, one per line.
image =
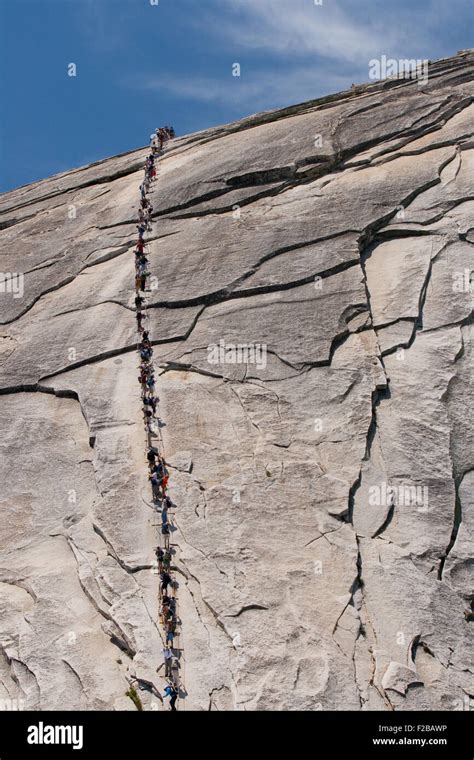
point(171, 692)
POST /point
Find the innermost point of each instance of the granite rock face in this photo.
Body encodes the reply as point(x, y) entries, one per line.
point(312, 321)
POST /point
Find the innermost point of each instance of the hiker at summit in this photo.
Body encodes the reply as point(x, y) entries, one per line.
point(160, 137)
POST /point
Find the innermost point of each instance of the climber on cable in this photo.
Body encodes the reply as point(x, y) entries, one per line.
point(171, 692)
point(151, 456)
point(167, 563)
point(166, 581)
point(167, 656)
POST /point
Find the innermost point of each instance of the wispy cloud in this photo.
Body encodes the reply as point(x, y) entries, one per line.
point(293, 50)
point(345, 31)
point(268, 88)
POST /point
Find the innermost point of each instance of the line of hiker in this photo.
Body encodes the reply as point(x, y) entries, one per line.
point(158, 473)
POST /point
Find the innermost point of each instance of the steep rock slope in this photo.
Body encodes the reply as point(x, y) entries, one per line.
point(324, 513)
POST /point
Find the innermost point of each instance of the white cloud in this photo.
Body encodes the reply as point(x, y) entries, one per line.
point(271, 89)
point(299, 27)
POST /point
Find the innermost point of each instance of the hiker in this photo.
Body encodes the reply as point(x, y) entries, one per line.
point(152, 402)
point(159, 135)
point(164, 615)
point(171, 692)
point(168, 656)
point(165, 532)
point(164, 477)
point(159, 553)
point(174, 667)
point(165, 608)
point(166, 560)
point(165, 581)
point(139, 301)
point(164, 483)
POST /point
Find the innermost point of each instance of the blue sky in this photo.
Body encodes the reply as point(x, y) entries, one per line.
point(141, 65)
